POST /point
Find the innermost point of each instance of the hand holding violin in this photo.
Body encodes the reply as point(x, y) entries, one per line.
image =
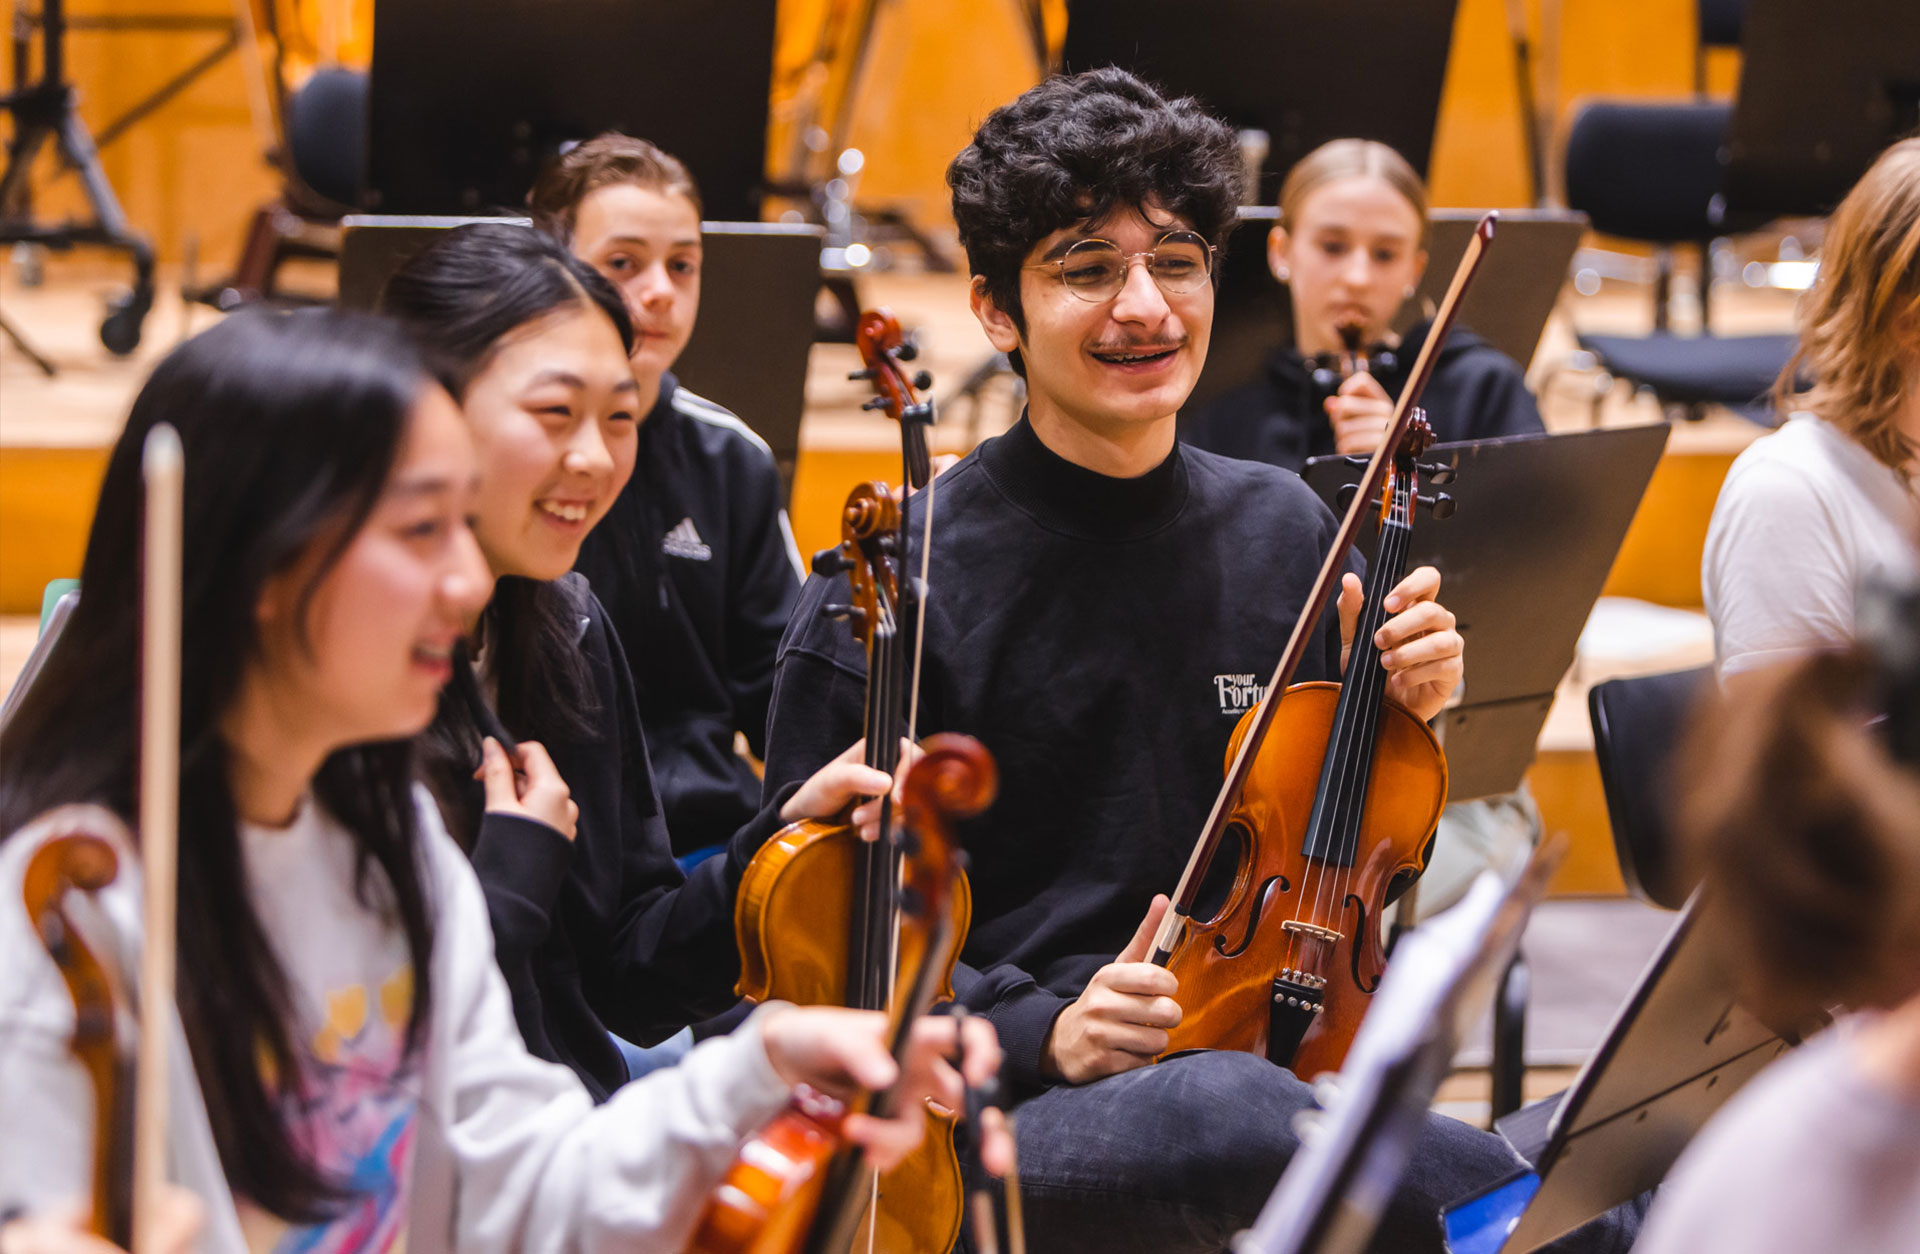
point(835, 1051)
point(1360, 413)
point(1120, 1021)
point(1424, 655)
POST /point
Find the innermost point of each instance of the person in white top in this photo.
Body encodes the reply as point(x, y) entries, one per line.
point(348, 1073)
point(1830, 500)
point(1805, 817)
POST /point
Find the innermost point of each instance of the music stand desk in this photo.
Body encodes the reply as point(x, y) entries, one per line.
point(1677, 1049)
point(749, 347)
point(1538, 521)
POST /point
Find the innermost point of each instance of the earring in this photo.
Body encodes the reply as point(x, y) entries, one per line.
point(1282, 273)
point(1408, 294)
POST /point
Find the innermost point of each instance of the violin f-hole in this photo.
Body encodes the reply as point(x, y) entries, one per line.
point(1254, 910)
point(1359, 930)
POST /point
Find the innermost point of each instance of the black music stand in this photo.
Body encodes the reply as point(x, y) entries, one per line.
point(749, 348)
point(1265, 65)
point(1824, 88)
point(1538, 521)
point(1330, 1198)
point(468, 100)
point(1508, 304)
point(1678, 1048)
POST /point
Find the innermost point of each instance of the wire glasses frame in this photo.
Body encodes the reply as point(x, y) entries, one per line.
point(1095, 270)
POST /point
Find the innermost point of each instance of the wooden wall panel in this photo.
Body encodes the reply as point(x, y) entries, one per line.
point(196, 169)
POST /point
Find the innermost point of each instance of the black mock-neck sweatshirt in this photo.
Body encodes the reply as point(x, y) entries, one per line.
point(696, 566)
point(1101, 637)
point(1476, 392)
point(603, 932)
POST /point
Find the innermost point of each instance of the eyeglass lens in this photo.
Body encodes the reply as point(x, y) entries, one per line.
point(1095, 269)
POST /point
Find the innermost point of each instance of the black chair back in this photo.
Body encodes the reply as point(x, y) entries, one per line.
point(1636, 728)
point(1649, 172)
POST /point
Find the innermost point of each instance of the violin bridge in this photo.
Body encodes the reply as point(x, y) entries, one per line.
point(1311, 929)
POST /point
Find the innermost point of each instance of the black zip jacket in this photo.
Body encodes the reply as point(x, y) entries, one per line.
point(696, 565)
point(1101, 637)
point(603, 932)
point(1476, 392)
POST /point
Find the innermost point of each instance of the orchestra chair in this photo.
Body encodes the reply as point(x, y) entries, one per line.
point(321, 156)
point(1636, 730)
point(1655, 173)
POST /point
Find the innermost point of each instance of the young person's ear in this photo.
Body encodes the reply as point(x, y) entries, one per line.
point(1419, 267)
point(1279, 245)
point(995, 321)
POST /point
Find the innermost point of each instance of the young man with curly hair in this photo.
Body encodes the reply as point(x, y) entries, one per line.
point(695, 562)
point(1104, 606)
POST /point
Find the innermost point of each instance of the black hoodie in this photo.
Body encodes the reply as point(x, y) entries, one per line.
point(696, 567)
point(1477, 392)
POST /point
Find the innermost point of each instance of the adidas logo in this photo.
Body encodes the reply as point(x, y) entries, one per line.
point(684, 541)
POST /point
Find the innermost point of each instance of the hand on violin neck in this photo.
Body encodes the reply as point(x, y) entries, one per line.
point(848, 780)
point(1120, 1021)
point(529, 786)
point(839, 1051)
point(1423, 655)
point(1360, 413)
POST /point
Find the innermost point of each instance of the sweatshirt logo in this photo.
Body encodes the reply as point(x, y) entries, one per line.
point(684, 541)
point(1238, 693)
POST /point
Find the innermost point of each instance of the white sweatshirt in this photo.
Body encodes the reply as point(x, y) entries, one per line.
point(1806, 515)
point(472, 1145)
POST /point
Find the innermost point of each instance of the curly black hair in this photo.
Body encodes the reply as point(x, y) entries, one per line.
point(1076, 148)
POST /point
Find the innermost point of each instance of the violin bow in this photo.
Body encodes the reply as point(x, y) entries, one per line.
point(1173, 926)
point(163, 468)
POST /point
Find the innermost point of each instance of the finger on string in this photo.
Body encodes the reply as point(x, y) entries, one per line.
point(1351, 599)
point(1428, 618)
point(1421, 584)
point(1433, 647)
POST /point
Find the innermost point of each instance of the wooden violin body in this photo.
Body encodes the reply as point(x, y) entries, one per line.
point(792, 895)
point(1287, 913)
point(797, 1187)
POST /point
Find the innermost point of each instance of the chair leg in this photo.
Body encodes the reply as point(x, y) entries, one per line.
point(1662, 286)
point(1509, 1067)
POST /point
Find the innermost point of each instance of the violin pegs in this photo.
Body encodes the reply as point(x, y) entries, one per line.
point(907, 351)
point(878, 402)
point(852, 613)
point(860, 375)
point(923, 380)
point(1345, 494)
point(831, 562)
point(1439, 504)
point(1437, 472)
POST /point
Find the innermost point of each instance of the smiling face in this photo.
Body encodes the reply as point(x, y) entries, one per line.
point(363, 655)
point(647, 244)
point(1116, 369)
point(554, 419)
point(1351, 255)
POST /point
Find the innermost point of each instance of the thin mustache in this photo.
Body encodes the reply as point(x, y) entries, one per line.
point(1152, 346)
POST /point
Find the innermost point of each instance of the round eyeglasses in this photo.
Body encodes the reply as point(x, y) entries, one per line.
point(1095, 269)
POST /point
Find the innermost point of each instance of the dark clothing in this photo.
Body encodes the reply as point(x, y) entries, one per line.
point(1102, 638)
point(696, 566)
point(603, 932)
point(1476, 392)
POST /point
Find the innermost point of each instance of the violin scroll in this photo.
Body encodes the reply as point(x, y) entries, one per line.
point(883, 348)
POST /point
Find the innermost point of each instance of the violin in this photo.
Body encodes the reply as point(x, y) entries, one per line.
point(798, 1187)
point(1274, 928)
point(129, 1080)
point(1330, 370)
point(80, 860)
point(813, 871)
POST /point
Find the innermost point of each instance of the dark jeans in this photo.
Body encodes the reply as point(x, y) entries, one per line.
point(1179, 1156)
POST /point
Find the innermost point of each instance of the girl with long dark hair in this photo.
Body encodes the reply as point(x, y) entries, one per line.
point(349, 1075)
point(595, 924)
